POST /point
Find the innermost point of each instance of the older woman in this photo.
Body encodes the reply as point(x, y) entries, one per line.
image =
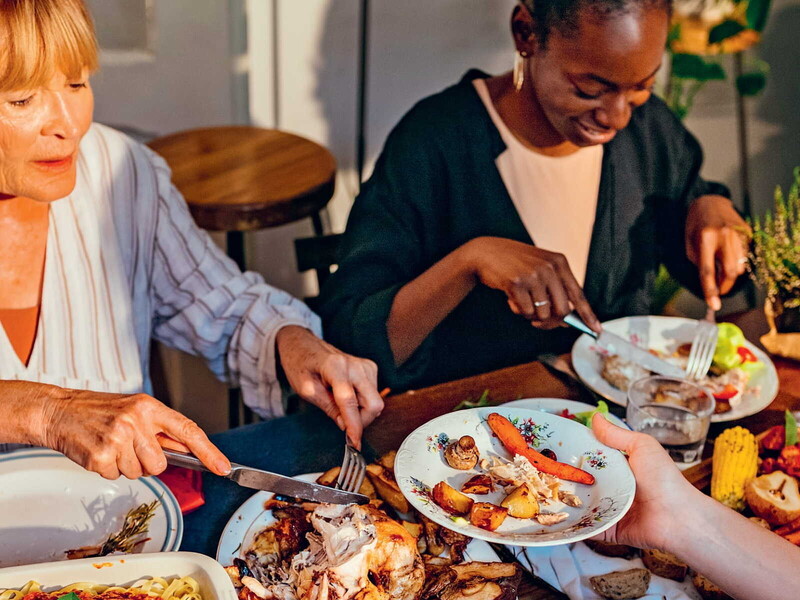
point(98, 254)
point(507, 201)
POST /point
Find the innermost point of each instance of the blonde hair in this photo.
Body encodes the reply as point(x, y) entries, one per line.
point(39, 38)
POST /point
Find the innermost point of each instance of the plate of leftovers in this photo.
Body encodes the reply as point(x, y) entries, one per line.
point(169, 576)
point(293, 550)
point(570, 409)
point(742, 378)
point(514, 476)
point(52, 509)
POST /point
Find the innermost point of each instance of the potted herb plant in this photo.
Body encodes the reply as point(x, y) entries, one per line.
point(775, 260)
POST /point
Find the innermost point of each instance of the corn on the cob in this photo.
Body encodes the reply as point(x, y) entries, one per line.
point(735, 463)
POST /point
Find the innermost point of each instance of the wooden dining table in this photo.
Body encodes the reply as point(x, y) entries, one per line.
point(310, 442)
point(406, 411)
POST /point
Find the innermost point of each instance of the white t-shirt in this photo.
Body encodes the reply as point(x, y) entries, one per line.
point(556, 197)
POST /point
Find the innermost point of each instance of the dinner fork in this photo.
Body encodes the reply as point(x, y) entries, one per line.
point(703, 347)
point(354, 467)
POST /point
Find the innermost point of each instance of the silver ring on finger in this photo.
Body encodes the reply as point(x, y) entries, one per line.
point(541, 303)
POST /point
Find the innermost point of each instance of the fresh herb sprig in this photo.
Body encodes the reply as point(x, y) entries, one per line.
point(136, 524)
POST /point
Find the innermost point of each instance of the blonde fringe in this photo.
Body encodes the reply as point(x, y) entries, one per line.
point(41, 37)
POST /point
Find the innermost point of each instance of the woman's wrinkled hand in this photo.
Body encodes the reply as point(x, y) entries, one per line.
point(662, 492)
point(343, 386)
point(122, 434)
point(539, 284)
point(716, 241)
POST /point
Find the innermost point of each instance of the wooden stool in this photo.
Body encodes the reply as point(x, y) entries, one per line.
point(238, 179)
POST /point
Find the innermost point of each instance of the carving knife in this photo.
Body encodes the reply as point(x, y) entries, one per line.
point(271, 482)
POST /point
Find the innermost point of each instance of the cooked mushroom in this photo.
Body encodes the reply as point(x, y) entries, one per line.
point(462, 454)
point(473, 581)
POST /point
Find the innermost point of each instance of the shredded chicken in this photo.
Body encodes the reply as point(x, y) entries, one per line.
point(569, 499)
point(519, 471)
point(352, 553)
point(551, 518)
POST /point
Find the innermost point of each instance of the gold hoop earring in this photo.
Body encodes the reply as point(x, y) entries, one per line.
point(519, 70)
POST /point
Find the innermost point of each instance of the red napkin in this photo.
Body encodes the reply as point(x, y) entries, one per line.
point(186, 485)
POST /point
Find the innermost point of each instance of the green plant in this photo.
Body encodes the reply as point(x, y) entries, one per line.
point(775, 251)
point(703, 30)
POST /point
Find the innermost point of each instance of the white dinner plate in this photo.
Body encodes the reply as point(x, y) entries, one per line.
point(49, 504)
point(665, 334)
point(420, 465)
point(250, 518)
point(557, 405)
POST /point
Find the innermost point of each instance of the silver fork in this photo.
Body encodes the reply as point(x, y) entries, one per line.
point(703, 347)
point(354, 467)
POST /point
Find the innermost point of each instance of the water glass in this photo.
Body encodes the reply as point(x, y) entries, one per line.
point(674, 411)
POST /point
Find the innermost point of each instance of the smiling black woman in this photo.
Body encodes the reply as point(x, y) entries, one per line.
point(505, 202)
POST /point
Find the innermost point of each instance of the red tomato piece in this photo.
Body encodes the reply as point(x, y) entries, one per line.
point(567, 415)
point(768, 465)
point(728, 392)
point(746, 355)
point(789, 461)
point(775, 438)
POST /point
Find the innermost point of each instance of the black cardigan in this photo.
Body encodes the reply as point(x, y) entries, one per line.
point(436, 186)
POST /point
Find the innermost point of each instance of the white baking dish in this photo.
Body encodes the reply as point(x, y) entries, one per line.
point(125, 570)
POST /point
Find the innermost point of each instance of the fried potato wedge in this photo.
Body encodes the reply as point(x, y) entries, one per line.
point(478, 485)
point(415, 529)
point(451, 499)
point(387, 488)
point(521, 503)
point(487, 516)
point(387, 460)
point(329, 477)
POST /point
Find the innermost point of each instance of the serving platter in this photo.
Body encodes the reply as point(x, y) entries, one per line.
point(49, 504)
point(665, 334)
point(124, 571)
point(420, 465)
point(251, 518)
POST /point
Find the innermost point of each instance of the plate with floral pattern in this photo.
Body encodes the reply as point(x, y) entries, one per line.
point(421, 464)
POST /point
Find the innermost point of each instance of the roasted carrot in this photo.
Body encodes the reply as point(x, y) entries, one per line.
point(789, 527)
point(793, 537)
point(514, 442)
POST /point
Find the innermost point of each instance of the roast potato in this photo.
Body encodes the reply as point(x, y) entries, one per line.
point(387, 488)
point(521, 503)
point(487, 516)
point(478, 485)
point(451, 499)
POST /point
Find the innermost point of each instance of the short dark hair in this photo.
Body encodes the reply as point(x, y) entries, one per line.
point(564, 14)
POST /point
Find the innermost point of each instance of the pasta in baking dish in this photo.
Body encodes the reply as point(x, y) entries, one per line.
point(178, 588)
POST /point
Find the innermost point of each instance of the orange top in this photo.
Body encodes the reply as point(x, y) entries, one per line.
point(20, 325)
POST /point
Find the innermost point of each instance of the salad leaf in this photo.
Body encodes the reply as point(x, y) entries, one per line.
point(791, 429)
point(480, 402)
point(586, 417)
point(727, 355)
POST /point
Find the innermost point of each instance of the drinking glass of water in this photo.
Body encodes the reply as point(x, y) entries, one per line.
point(674, 411)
